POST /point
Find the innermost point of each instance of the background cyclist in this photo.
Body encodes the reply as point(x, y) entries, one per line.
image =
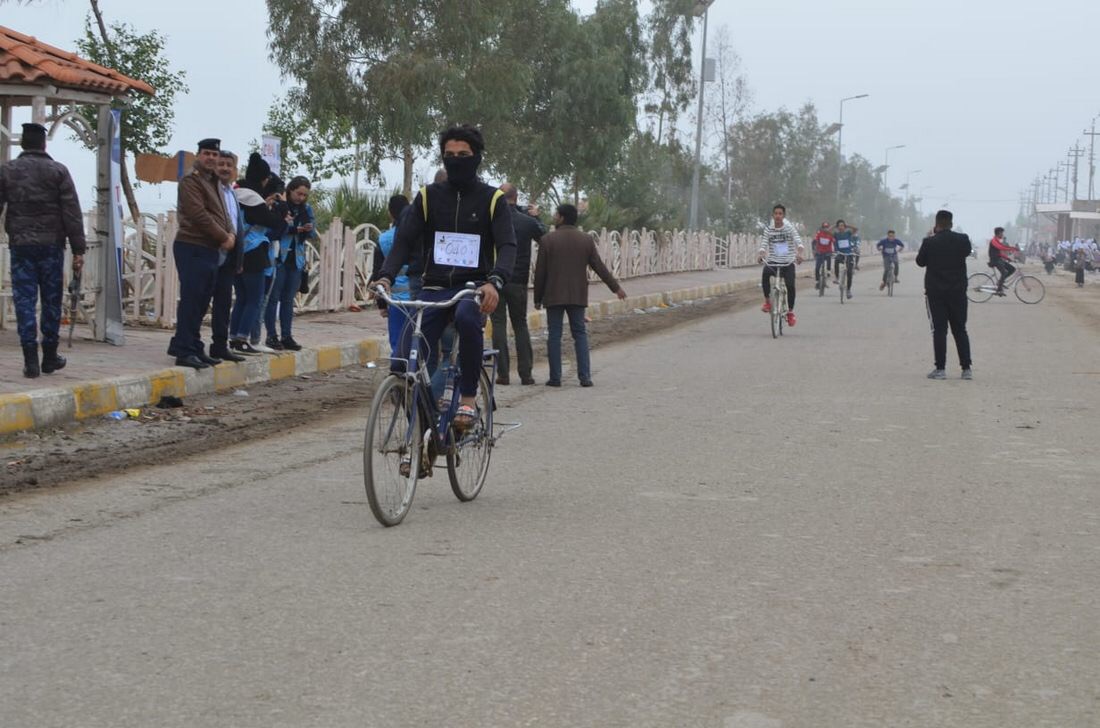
point(890, 247)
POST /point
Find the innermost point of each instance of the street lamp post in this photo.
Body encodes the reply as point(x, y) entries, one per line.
point(840, 141)
point(909, 174)
point(702, 7)
point(886, 165)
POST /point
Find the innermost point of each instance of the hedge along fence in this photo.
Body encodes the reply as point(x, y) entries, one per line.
point(340, 262)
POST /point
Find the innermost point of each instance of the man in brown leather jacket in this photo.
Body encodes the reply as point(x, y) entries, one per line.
point(204, 239)
point(561, 284)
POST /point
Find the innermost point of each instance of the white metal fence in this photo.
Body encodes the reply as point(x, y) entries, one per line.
point(340, 264)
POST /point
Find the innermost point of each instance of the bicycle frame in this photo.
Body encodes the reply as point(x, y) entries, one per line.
point(423, 403)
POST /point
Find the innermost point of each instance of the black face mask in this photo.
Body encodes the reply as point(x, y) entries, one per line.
point(461, 170)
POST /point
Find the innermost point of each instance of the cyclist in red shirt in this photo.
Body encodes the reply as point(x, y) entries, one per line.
point(823, 250)
point(1000, 253)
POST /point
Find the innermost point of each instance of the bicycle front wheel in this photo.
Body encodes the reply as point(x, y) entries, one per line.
point(842, 284)
point(468, 454)
point(1029, 289)
point(980, 287)
point(391, 451)
point(776, 315)
point(890, 280)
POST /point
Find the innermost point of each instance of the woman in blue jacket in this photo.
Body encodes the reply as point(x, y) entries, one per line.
point(289, 266)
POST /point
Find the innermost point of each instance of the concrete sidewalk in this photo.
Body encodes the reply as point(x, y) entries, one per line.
point(101, 378)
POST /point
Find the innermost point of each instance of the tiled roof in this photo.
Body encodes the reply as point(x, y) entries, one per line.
point(24, 59)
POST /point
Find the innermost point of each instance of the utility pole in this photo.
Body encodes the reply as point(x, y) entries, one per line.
point(1075, 153)
point(1066, 166)
point(1092, 156)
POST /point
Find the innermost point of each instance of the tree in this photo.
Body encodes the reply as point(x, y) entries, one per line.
point(147, 120)
point(672, 80)
point(400, 71)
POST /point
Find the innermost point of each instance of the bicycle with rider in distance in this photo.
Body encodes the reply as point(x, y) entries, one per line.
point(980, 287)
point(890, 276)
point(404, 411)
point(844, 264)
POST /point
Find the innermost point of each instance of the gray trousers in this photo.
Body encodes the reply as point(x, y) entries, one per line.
point(513, 305)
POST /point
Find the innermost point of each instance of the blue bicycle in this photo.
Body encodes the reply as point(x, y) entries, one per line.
point(408, 430)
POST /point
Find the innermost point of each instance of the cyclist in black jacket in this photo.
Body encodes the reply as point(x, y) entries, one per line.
point(464, 229)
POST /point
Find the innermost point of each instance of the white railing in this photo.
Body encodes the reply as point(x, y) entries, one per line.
point(341, 260)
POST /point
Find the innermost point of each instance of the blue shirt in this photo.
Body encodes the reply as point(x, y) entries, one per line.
point(890, 247)
point(400, 290)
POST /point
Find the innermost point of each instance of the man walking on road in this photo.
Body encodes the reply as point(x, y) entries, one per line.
point(561, 284)
point(513, 297)
point(205, 233)
point(943, 255)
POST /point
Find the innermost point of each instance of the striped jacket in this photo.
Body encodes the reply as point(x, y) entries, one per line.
point(780, 245)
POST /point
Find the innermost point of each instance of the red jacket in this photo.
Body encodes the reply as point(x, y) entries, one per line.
point(1002, 250)
point(823, 242)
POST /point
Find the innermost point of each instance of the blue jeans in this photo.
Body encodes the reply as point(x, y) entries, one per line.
point(36, 273)
point(821, 260)
point(249, 288)
point(468, 323)
point(554, 318)
point(283, 292)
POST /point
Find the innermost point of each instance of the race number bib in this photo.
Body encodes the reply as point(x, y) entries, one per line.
point(843, 244)
point(461, 250)
point(782, 249)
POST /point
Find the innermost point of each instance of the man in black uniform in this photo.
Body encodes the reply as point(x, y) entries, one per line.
point(464, 229)
point(943, 255)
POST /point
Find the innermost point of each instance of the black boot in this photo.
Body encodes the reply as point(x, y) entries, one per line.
point(51, 360)
point(30, 361)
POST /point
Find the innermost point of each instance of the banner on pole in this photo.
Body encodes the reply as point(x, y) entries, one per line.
point(271, 149)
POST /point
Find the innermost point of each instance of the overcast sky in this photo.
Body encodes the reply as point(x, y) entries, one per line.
point(985, 95)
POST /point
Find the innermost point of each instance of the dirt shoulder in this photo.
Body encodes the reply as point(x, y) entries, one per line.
point(98, 448)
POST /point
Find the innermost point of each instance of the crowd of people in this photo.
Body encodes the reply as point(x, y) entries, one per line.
point(240, 254)
point(1078, 256)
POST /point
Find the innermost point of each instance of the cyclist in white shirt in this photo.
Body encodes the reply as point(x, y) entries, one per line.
point(780, 249)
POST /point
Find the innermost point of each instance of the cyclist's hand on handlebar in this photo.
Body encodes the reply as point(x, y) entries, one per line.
point(798, 259)
point(489, 298)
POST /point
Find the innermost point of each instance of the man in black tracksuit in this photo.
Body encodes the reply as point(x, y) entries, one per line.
point(464, 229)
point(944, 255)
point(513, 299)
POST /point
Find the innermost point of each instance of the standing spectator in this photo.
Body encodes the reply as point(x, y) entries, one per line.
point(42, 211)
point(943, 255)
point(288, 269)
point(513, 299)
point(230, 262)
point(561, 284)
point(262, 224)
point(204, 233)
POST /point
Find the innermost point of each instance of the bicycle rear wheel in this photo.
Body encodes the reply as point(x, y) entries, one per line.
point(1029, 289)
point(980, 287)
point(393, 434)
point(468, 454)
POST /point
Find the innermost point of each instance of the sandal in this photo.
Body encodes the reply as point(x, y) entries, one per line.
point(406, 466)
point(465, 417)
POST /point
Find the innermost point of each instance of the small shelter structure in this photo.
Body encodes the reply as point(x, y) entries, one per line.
point(54, 83)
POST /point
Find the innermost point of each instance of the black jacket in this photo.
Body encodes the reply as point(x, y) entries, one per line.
point(451, 209)
point(944, 256)
point(43, 208)
point(527, 229)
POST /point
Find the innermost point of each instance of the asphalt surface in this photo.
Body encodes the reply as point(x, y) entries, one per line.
point(727, 530)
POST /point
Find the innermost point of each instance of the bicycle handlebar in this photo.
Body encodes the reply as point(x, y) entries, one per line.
point(463, 294)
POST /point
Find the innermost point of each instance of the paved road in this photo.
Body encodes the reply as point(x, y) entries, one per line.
point(726, 531)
